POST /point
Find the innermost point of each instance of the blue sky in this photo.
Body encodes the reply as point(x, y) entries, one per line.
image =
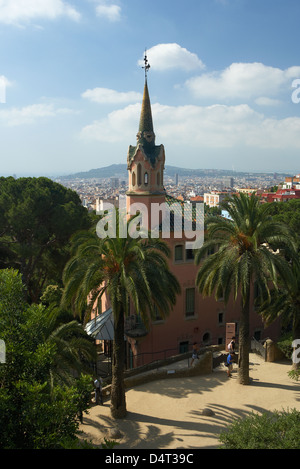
point(224, 83)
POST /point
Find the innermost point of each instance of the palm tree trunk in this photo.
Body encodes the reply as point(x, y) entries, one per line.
point(296, 336)
point(244, 341)
point(118, 402)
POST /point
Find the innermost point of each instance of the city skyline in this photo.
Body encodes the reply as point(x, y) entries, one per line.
point(223, 81)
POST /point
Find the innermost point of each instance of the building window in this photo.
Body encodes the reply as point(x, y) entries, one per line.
point(189, 254)
point(146, 179)
point(221, 318)
point(220, 296)
point(133, 178)
point(190, 301)
point(257, 335)
point(139, 174)
point(183, 347)
point(206, 339)
point(179, 253)
point(157, 315)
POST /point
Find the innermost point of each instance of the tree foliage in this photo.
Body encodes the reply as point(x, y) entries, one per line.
point(37, 218)
point(127, 270)
point(42, 387)
point(245, 253)
point(287, 213)
point(270, 430)
point(284, 302)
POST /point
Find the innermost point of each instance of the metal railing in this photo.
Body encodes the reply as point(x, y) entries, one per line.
point(258, 347)
point(151, 357)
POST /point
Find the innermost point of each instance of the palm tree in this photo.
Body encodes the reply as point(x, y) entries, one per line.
point(125, 269)
point(285, 303)
point(74, 349)
point(244, 255)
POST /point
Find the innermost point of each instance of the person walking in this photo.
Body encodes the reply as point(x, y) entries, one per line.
point(194, 353)
point(231, 345)
point(98, 390)
point(229, 364)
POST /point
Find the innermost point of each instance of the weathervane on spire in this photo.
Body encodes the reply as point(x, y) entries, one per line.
point(147, 66)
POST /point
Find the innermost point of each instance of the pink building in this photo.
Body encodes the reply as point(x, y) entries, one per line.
point(194, 318)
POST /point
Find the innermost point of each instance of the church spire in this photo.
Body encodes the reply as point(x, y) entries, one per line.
point(146, 135)
point(146, 123)
point(145, 160)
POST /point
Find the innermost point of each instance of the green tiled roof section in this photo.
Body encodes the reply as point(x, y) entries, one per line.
point(151, 152)
point(146, 122)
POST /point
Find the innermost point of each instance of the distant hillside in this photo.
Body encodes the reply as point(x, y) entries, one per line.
point(114, 170)
point(120, 171)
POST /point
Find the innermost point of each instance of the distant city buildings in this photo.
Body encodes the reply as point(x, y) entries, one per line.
point(210, 189)
point(292, 182)
point(229, 182)
point(289, 189)
point(114, 183)
point(213, 199)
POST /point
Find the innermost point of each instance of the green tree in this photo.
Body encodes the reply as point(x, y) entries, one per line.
point(270, 430)
point(40, 396)
point(244, 255)
point(73, 350)
point(287, 212)
point(37, 218)
point(126, 269)
point(285, 303)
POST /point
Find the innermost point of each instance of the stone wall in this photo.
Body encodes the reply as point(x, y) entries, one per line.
point(273, 352)
point(170, 360)
point(203, 366)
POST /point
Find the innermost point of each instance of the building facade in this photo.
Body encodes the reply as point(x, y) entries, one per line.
point(194, 318)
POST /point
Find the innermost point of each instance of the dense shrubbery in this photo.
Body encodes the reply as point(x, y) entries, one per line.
point(274, 430)
point(41, 400)
point(285, 345)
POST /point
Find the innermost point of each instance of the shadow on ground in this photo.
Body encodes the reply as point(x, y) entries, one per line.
point(141, 430)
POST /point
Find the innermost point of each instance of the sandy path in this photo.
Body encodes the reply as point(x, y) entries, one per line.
point(167, 414)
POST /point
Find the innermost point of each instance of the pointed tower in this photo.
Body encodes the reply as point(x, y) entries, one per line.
point(146, 161)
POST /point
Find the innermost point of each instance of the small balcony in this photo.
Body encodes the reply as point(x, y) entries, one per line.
point(134, 327)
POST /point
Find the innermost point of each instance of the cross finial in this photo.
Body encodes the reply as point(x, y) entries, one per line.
point(147, 66)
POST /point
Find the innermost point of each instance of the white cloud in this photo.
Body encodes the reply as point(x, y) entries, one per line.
point(172, 56)
point(4, 84)
point(30, 114)
point(243, 81)
point(18, 12)
point(108, 11)
point(264, 101)
point(5, 80)
point(217, 126)
point(118, 126)
point(106, 95)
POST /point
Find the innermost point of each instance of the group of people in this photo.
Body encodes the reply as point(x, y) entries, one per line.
point(98, 383)
point(229, 359)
